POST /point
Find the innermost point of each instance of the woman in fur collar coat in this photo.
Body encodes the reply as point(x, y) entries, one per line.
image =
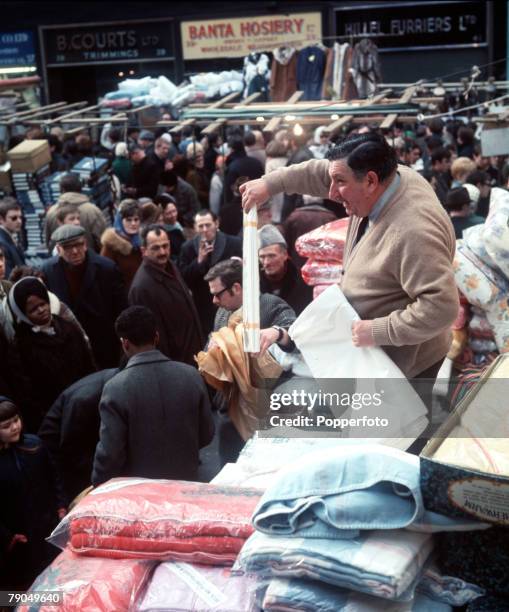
point(121, 243)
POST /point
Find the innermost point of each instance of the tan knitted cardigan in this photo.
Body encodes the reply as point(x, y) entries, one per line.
point(400, 274)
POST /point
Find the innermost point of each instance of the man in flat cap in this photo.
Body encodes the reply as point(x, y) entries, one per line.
point(91, 286)
point(279, 275)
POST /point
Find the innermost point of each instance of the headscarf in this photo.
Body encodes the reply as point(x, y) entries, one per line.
point(134, 239)
point(19, 294)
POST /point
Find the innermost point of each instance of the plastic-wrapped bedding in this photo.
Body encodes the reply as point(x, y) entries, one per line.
point(160, 519)
point(326, 242)
point(308, 596)
point(382, 563)
point(182, 587)
point(320, 272)
point(92, 584)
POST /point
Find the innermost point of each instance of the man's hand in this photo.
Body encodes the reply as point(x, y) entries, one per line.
point(168, 165)
point(362, 333)
point(254, 193)
point(267, 338)
point(62, 512)
point(204, 251)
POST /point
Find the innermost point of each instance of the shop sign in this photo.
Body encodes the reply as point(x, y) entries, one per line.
point(239, 37)
point(416, 24)
point(108, 43)
point(17, 49)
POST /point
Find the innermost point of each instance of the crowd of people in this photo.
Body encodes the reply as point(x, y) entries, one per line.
point(99, 377)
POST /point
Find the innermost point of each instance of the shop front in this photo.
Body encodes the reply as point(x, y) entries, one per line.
point(442, 37)
point(84, 61)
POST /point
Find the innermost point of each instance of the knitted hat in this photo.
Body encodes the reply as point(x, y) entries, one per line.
point(269, 235)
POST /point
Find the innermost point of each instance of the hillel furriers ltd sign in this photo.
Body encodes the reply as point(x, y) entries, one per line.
point(239, 37)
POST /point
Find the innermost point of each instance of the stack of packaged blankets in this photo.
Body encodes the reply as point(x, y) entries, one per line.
point(130, 530)
point(92, 172)
point(30, 168)
point(324, 249)
point(346, 529)
point(50, 188)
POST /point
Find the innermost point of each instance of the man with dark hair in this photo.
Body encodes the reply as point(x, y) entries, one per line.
point(238, 164)
point(276, 316)
point(398, 272)
point(185, 195)
point(159, 286)
point(440, 172)
point(143, 179)
point(483, 181)
point(155, 413)
point(459, 205)
point(11, 222)
point(91, 217)
point(91, 286)
point(199, 254)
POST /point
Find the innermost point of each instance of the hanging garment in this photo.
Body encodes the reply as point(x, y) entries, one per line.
point(348, 89)
point(366, 67)
point(310, 71)
point(283, 75)
point(339, 64)
point(327, 92)
point(256, 65)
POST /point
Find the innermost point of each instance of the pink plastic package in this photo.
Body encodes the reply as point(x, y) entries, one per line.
point(87, 584)
point(160, 519)
point(326, 242)
point(319, 272)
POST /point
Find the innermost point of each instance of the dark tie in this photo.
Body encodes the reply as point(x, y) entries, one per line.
point(362, 229)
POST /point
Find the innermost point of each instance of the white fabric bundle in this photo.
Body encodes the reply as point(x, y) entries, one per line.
point(251, 283)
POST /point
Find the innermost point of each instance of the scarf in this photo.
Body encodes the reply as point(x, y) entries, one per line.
point(134, 239)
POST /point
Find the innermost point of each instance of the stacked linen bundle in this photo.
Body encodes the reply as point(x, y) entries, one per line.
point(89, 584)
point(160, 519)
point(285, 595)
point(350, 517)
point(324, 249)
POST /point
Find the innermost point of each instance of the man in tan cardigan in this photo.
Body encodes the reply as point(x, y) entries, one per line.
point(399, 249)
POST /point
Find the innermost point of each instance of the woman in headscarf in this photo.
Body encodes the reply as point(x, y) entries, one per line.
point(121, 243)
point(53, 352)
point(31, 502)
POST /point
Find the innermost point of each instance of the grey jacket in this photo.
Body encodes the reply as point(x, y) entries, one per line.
point(273, 311)
point(155, 416)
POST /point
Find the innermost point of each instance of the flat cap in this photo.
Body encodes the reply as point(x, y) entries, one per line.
point(67, 233)
point(269, 235)
point(146, 135)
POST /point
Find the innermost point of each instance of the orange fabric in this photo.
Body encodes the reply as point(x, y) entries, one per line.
point(238, 376)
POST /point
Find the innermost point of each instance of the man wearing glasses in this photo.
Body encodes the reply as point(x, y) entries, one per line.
point(159, 287)
point(11, 221)
point(91, 286)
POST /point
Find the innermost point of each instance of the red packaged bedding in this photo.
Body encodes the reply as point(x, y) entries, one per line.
point(160, 519)
point(87, 584)
point(318, 272)
point(326, 242)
